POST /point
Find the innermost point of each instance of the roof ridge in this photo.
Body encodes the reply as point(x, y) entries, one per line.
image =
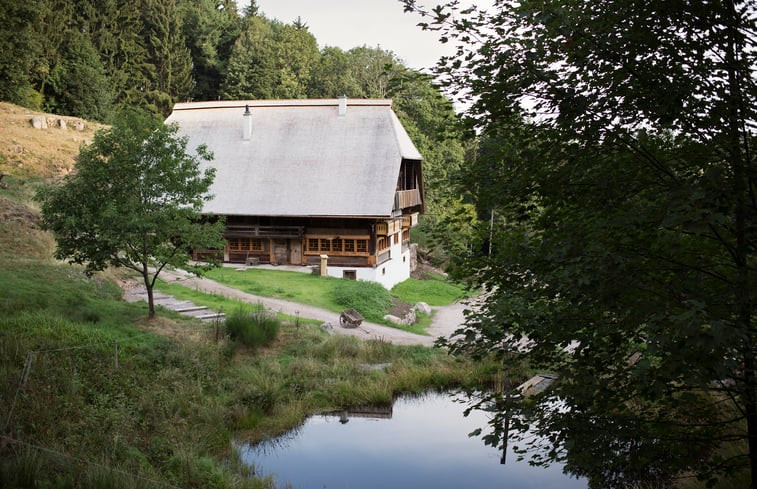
point(223, 104)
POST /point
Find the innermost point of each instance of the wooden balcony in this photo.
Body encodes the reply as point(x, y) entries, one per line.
point(251, 231)
point(407, 198)
point(388, 228)
point(410, 220)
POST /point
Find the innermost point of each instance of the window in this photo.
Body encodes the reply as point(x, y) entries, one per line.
point(339, 245)
point(256, 244)
point(244, 244)
point(396, 238)
point(349, 274)
point(382, 243)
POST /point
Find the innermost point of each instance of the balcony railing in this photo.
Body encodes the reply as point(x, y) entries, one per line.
point(242, 231)
point(407, 198)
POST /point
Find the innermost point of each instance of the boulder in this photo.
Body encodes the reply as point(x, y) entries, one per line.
point(39, 122)
point(62, 124)
point(423, 308)
point(78, 125)
point(327, 328)
point(413, 257)
point(392, 319)
point(374, 366)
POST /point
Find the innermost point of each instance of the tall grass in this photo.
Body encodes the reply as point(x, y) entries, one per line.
point(170, 409)
point(254, 327)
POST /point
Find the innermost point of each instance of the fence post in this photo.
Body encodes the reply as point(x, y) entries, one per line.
point(21, 385)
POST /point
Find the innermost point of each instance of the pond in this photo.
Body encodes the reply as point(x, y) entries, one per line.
point(418, 442)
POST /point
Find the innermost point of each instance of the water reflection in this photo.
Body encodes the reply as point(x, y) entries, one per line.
point(420, 442)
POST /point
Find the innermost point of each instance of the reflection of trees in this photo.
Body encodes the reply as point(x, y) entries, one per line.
point(616, 447)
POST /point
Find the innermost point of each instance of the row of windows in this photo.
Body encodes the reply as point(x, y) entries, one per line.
point(245, 244)
point(337, 245)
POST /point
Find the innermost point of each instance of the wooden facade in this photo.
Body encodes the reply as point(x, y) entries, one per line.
point(298, 179)
point(349, 242)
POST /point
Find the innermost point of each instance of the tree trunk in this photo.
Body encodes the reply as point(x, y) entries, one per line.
point(150, 300)
point(741, 251)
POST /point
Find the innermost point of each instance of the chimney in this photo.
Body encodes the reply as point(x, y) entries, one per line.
point(247, 123)
point(342, 105)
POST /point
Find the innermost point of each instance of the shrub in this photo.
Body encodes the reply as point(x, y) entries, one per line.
point(256, 328)
point(370, 299)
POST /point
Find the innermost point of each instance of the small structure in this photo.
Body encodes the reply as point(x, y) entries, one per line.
point(298, 179)
point(350, 318)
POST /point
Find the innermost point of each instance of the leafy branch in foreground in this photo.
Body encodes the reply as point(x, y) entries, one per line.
point(616, 149)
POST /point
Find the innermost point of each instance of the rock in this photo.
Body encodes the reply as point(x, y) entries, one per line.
point(423, 308)
point(62, 124)
point(406, 321)
point(78, 125)
point(39, 122)
point(413, 257)
point(327, 328)
point(410, 318)
point(392, 319)
point(537, 384)
point(374, 366)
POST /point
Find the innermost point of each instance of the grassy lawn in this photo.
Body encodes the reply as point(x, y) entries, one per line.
point(167, 415)
point(215, 302)
point(436, 292)
point(334, 294)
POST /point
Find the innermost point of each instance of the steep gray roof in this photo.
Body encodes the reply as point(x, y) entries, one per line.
point(303, 159)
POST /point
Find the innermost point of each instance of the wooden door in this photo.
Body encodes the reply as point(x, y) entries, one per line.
point(281, 251)
point(295, 251)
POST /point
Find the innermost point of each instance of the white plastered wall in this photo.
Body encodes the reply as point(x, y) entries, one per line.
point(388, 274)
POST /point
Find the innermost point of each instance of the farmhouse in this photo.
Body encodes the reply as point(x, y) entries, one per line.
point(298, 180)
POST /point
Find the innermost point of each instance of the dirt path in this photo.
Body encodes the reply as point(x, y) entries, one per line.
point(446, 319)
point(365, 331)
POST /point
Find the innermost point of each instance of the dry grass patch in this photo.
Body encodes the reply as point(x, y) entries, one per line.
point(46, 153)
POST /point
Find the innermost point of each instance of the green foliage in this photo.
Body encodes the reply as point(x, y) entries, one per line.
point(254, 328)
point(78, 84)
point(170, 68)
point(370, 298)
point(19, 49)
point(134, 202)
point(210, 28)
point(434, 292)
point(270, 60)
point(168, 414)
point(623, 202)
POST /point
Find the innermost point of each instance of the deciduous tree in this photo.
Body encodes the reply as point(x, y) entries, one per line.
point(133, 202)
point(619, 142)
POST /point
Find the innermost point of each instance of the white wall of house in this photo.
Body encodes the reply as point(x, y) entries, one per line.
point(388, 274)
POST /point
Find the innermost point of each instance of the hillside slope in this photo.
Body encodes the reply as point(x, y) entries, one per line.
point(42, 153)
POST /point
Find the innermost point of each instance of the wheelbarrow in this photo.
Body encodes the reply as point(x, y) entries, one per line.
point(350, 318)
